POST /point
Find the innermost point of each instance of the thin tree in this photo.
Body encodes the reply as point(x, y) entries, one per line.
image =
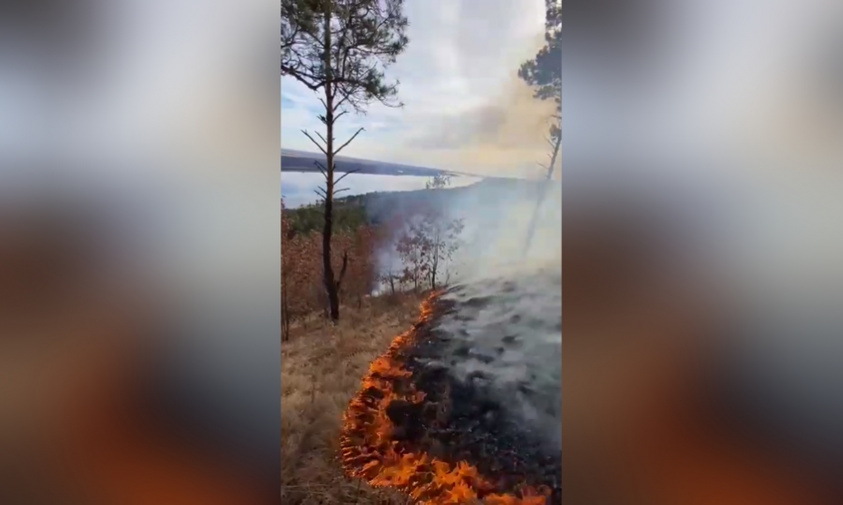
point(339, 49)
point(411, 248)
point(285, 275)
point(440, 235)
point(544, 73)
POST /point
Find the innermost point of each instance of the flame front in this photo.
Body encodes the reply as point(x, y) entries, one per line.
point(369, 452)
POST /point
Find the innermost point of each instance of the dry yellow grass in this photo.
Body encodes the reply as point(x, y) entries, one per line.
point(321, 368)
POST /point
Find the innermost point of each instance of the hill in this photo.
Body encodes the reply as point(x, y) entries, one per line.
point(378, 207)
point(293, 160)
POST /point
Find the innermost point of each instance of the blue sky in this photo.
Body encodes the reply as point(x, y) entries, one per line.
point(465, 109)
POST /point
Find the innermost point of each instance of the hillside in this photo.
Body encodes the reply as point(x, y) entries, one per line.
point(293, 160)
point(347, 216)
point(378, 207)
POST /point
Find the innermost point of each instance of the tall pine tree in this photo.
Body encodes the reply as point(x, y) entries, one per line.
point(544, 73)
point(339, 49)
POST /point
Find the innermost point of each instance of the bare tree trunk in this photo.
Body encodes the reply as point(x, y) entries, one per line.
point(285, 311)
point(285, 321)
point(433, 272)
point(331, 287)
point(531, 228)
point(434, 264)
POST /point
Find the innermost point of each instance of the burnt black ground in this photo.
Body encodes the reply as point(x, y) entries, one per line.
point(467, 418)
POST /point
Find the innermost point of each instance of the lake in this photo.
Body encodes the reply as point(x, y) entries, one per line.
point(298, 188)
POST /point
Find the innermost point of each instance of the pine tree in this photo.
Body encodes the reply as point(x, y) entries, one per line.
point(544, 73)
point(339, 49)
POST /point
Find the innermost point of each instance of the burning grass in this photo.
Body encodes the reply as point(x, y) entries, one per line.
point(321, 367)
point(388, 436)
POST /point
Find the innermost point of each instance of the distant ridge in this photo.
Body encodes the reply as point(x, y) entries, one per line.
point(293, 160)
point(379, 207)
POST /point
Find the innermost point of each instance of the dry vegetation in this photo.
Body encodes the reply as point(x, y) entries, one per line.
point(321, 369)
point(420, 242)
point(322, 364)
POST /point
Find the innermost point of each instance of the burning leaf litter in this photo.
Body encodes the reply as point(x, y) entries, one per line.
point(404, 454)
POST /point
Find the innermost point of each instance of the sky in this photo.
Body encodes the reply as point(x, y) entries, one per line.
point(464, 106)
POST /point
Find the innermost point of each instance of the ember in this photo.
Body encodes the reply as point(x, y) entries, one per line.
point(406, 429)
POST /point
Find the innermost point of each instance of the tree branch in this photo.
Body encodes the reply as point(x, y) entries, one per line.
point(311, 81)
point(349, 140)
point(306, 134)
point(322, 138)
point(341, 101)
point(343, 176)
point(555, 154)
point(321, 168)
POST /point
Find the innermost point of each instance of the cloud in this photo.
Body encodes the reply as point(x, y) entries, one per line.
point(465, 107)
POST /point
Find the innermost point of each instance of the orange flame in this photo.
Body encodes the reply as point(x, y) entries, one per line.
point(369, 452)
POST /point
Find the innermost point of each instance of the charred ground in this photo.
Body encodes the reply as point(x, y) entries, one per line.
point(420, 425)
point(465, 420)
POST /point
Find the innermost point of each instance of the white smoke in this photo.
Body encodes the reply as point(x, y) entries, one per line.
point(506, 327)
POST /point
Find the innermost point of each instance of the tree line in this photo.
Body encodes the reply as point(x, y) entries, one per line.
point(411, 252)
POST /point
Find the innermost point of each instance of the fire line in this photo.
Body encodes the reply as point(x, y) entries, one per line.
point(369, 450)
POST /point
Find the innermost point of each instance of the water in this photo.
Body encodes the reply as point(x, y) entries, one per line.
point(297, 188)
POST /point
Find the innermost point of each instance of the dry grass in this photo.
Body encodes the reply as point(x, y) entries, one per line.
point(321, 368)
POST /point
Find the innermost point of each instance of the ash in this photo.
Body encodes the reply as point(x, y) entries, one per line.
point(504, 336)
point(489, 362)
